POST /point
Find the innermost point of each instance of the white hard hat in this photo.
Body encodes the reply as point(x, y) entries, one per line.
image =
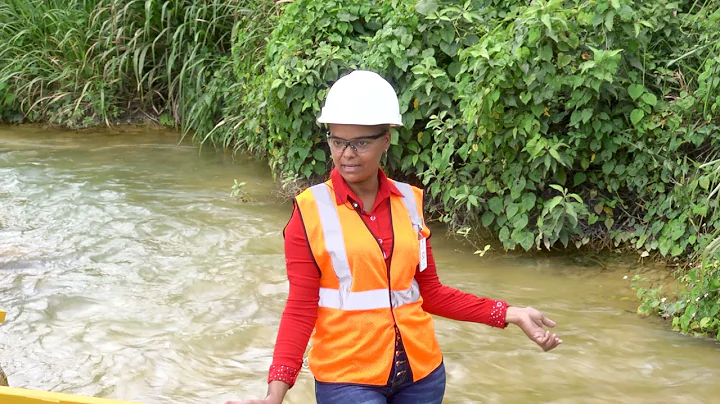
point(361, 98)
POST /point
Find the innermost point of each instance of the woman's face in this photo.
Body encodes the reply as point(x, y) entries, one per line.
point(356, 150)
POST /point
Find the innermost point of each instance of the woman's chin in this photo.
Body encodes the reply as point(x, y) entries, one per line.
point(353, 174)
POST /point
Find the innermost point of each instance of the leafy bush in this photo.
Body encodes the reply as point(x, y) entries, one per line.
point(555, 122)
point(580, 97)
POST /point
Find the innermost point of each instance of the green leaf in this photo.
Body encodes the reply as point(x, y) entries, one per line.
point(676, 250)
point(554, 202)
point(584, 163)
point(344, 16)
point(609, 222)
point(487, 218)
point(556, 155)
point(517, 188)
point(512, 210)
point(610, 20)
point(546, 20)
point(615, 4)
point(608, 167)
point(561, 176)
point(650, 99)
point(520, 221)
point(454, 69)
point(545, 53)
point(575, 117)
point(572, 215)
point(563, 59)
point(533, 35)
point(664, 247)
point(426, 7)
point(303, 152)
point(636, 116)
point(319, 155)
point(592, 219)
point(528, 202)
point(564, 237)
point(636, 90)
point(704, 182)
point(526, 240)
point(587, 114)
point(504, 234)
point(579, 178)
point(496, 205)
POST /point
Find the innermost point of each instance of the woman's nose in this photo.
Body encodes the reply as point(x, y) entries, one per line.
point(350, 147)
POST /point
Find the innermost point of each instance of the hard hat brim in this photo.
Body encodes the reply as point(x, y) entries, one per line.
point(328, 117)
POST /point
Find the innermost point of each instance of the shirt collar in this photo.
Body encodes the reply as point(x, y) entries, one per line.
point(344, 194)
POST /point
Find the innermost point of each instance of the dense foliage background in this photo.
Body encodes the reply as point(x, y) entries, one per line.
point(546, 124)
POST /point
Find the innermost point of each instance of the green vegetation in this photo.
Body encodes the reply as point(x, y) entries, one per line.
point(79, 63)
point(546, 123)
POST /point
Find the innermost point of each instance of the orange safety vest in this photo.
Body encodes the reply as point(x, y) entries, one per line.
point(361, 299)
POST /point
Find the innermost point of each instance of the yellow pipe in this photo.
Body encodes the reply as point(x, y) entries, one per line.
point(11, 395)
point(2, 316)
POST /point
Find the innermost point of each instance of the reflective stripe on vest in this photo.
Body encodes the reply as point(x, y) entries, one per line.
point(410, 204)
point(343, 298)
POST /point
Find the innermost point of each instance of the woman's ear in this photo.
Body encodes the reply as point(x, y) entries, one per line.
point(388, 139)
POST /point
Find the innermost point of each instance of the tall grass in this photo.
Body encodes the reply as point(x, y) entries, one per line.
point(78, 62)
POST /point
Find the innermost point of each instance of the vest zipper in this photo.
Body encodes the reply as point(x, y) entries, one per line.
point(388, 262)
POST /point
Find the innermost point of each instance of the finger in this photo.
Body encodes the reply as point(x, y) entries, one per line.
point(547, 345)
point(547, 322)
point(543, 338)
point(538, 336)
point(553, 343)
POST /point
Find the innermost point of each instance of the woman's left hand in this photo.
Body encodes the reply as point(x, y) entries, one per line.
point(531, 322)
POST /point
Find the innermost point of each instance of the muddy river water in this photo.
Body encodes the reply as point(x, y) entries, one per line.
point(128, 271)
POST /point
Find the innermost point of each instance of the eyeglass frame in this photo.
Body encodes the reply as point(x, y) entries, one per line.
point(350, 142)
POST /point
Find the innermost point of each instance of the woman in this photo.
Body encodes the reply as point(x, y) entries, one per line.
point(362, 273)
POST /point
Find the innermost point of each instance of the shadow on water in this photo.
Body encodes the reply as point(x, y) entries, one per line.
point(129, 271)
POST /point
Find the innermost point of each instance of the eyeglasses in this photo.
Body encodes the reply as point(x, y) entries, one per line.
point(359, 144)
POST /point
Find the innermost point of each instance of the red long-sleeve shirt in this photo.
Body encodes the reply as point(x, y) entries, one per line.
point(298, 319)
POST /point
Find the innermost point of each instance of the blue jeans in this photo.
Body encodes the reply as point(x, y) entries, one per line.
point(399, 390)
